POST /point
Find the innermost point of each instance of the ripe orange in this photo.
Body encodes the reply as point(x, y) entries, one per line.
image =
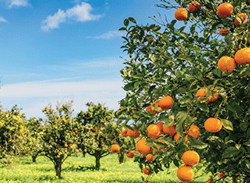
point(130, 154)
point(124, 133)
point(212, 99)
point(194, 6)
point(153, 131)
point(181, 14)
point(201, 94)
point(226, 64)
point(147, 181)
point(166, 102)
point(141, 147)
point(190, 157)
point(222, 174)
point(185, 173)
point(149, 157)
point(137, 133)
point(130, 133)
point(176, 137)
point(170, 130)
point(134, 133)
point(210, 180)
point(146, 170)
point(242, 56)
point(213, 125)
point(160, 124)
point(223, 31)
point(115, 148)
point(194, 131)
point(241, 16)
point(225, 10)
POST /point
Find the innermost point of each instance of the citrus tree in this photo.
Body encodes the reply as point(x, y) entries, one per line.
point(58, 139)
point(13, 133)
point(34, 143)
point(194, 78)
point(98, 131)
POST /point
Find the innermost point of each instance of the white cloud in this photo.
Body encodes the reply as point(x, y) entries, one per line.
point(2, 19)
point(37, 95)
point(12, 3)
point(108, 35)
point(80, 12)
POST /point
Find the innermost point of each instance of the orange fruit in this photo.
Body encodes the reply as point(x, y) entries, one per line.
point(190, 157)
point(153, 131)
point(146, 170)
point(212, 99)
point(124, 133)
point(147, 181)
point(226, 64)
point(210, 180)
point(130, 154)
point(222, 174)
point(223, 31)
point(185, 173)
point(115, 148)
point(170, 130)
point(149, 157)
point(160, 124)
point(242, 56)
point(241, 16)
point(176, 137)
point(137, 133)
point(194, 131)
point(213, 125)
point(130, 133)
point(181, 14)
point(141, 147)
point(225, 10)
point(194, 6)
point(166, 102)
point(201, 93)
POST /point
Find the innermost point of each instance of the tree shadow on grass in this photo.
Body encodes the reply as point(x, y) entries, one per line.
point(83, 168)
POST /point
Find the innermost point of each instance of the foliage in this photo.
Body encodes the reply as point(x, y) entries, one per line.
point(98, 131)
point(59, 141)
point(177, 61)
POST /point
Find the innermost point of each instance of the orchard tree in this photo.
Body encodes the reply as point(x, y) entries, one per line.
point(99, 131)
point(35, 142)
point(58, 139)
point(195, 79)
point(13, 133)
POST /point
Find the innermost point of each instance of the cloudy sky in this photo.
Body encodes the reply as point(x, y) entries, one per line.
point(56, 51)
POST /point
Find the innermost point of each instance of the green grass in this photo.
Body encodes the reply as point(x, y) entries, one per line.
point(79, 169)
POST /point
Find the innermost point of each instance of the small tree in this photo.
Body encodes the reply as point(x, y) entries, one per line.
point(99, 131)
point(59, 141)
point(13, 133)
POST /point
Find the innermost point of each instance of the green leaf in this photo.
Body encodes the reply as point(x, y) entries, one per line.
point(129, 127)
point(181, 116)
point(176, 163)
point(247, 163)
point(197, 144)
point(131, 19)
point(247, 143)
point(227, 124)
point(230, 152)
point(126, 22)
point(244, 126)
point(129, 86)
point(136, 84)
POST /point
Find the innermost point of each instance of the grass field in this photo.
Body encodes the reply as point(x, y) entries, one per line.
point(79, 169)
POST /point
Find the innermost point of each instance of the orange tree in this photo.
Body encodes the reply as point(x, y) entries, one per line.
point(97, 131)
point(13, 133)
point(58, 139)
point(190, 64)
point(34, 142)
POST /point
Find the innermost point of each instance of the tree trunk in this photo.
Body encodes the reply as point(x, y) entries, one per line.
point(97, 159)
point(58, 167)
point(236, 178)
point(84, 153)
point(121, 157)
point(34, 159)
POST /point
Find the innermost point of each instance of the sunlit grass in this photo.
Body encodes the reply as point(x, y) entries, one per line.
point(79, 169)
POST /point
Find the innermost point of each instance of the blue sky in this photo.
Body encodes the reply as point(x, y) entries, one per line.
point(56, 51)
